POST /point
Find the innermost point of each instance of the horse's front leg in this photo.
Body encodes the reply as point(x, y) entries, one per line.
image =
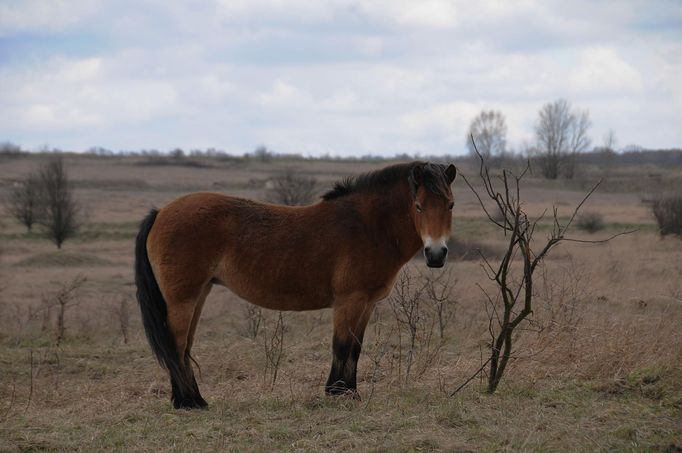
point(350, 319)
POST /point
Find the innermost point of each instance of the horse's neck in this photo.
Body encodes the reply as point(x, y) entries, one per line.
point(391, 216)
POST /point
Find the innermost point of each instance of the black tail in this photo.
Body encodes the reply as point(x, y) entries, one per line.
point(155, 314)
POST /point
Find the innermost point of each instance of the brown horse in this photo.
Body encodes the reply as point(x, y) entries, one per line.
point(343, 252)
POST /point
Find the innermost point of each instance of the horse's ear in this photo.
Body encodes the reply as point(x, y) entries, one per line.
point(450, 173)
point(416, 178)
point(417, 174)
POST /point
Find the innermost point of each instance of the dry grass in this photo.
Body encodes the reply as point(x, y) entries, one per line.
point(598, 368)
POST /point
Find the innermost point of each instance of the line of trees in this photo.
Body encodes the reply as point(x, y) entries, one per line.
point(561, 133)
point(46, 198)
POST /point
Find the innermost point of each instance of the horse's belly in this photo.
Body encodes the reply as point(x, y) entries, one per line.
point(276, 291)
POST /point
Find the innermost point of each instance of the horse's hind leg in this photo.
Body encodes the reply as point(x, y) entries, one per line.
point(350, 319)
point(182, 324)
point(190, 342)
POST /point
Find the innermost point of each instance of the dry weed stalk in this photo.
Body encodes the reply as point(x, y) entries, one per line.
point(122, 313)
point(273, 345)
point(376, 353)
point(254, 318)
point(514, 287)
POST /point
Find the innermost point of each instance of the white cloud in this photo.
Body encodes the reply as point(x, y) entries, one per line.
point(602, 71)
point(43, 14)
point(73, 94)
point(423, 13)
point(339, 76)
point(440, 120)
point(80, 70)
point(281, 94)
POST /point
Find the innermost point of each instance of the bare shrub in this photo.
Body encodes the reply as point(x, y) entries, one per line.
point(62, 213)
point(667, 210)
point(292, 190)
point(121, 312)
point(23, 201)
point(439, 296)
point(62, 300)
point(418, 345)
point(273, 345)
point(590, 222)
point(254, 317)
point(512, 301)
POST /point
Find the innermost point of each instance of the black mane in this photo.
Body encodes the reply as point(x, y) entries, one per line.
point(434, 180)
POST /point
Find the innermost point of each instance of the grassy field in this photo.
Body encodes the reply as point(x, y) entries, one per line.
point(599, 367)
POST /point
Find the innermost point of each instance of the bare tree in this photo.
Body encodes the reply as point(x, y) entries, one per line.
point(9, 149)
point(23, 202)
point(512, 301)
point(489, 130)
point(263, 154)
point(61, 214)
point(290, 189)
point(561, 134)
point(607, 151)
point(610, 140)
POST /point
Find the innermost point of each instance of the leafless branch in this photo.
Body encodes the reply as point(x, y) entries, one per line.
point(515, 294)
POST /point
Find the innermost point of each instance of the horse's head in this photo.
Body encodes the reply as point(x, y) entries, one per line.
point(432, 208)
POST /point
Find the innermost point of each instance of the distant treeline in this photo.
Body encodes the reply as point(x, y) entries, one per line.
point(662, 157)
point(597, 156)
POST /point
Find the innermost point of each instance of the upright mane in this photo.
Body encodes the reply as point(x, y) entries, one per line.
point(370, 181)
point(434, 180)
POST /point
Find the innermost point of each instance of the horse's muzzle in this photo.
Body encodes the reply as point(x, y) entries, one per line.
point(435, 256)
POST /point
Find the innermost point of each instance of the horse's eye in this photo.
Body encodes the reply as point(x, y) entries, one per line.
point(451, 205)
point(419, 207)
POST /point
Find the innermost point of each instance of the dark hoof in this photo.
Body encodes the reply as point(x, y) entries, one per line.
point(338, 390)
point(202, 402)
point(190, 403)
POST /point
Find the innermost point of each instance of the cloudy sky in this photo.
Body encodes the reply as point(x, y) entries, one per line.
point(332, 76)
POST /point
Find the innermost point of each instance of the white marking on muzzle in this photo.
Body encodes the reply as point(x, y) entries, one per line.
point(430, 242)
